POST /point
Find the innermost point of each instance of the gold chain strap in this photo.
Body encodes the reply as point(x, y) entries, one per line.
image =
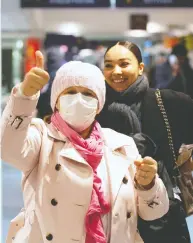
point(166, 121)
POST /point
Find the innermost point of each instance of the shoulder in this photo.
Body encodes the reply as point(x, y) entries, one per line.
point(121, 144)
point(39, 124)
point(171, 96)
point(177, 98)
point(116, 140)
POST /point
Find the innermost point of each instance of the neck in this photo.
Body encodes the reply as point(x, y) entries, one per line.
point(132, 94)
point(86, 133)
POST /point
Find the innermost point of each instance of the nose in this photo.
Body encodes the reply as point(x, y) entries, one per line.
point(117, 70)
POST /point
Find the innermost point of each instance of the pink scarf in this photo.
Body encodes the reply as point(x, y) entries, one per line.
point(91, 150)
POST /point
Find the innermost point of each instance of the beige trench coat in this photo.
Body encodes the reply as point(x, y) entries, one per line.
point(57, 182)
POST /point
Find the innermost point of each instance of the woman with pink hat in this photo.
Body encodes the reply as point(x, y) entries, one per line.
point(81, 183)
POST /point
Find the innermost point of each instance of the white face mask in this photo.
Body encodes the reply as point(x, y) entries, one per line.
point(78, 110)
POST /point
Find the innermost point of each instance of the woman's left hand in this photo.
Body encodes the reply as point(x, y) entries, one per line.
point(146, 170)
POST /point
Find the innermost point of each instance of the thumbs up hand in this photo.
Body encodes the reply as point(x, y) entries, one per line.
point(36, 78)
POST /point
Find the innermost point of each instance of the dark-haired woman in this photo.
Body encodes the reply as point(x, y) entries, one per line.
point(132, 108)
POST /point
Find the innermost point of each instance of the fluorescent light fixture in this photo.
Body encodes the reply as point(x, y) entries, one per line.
point(71, 28)
point(136, 33)
point(153, 28)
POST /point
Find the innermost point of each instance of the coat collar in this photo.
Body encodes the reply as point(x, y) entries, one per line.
point(68, 150)
point(54, 133)
point(115, 140)
point(112, 139)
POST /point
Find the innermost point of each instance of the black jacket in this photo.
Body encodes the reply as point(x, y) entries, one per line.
point(179, 109)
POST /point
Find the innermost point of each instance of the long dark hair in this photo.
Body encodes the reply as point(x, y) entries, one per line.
point(131, 47)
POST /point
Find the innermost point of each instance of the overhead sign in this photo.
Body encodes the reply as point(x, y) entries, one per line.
point(65, 3)
point(154, 3)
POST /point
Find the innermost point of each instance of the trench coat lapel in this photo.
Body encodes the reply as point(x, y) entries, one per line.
point(68, 151)
point(72, 153)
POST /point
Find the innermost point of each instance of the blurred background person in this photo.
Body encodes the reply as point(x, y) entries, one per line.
point(160, 73)
point(183, 72)
point(173, 71)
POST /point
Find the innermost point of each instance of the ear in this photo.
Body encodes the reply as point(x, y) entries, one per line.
point(58, 104)
point(141, 68)
point(97, 111)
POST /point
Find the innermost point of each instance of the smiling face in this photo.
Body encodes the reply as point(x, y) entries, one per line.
point(121, 68)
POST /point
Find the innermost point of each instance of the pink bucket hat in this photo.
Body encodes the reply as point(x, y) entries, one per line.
point(76, 73)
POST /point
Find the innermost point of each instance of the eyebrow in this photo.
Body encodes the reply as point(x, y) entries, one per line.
point(121, 59)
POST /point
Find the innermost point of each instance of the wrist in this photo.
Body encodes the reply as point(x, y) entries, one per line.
point(144, 187)
point(20, 90)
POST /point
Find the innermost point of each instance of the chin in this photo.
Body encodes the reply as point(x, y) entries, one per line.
point(119, 89)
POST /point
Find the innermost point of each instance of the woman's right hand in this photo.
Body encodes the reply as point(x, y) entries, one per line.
point(36, 78)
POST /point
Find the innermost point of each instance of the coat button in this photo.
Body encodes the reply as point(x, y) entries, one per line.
point(49, 237)
point(125, 180)
point(58, 167)
point(128, 215)
point(54, 202)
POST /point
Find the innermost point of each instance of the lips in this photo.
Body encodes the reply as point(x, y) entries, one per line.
point(119, 80)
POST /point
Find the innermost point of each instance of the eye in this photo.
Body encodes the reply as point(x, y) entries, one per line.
point(108, 65)
point(71, 92)
point(124, 64)
point(88, 94)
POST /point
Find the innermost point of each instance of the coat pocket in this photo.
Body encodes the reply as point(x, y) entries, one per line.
point(77, 222)
point(16, 224)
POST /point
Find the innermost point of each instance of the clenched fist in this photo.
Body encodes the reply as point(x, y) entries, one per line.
point(146, 170)
point(36, 78)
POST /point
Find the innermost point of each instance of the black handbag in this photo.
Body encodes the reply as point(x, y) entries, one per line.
point(183, 163)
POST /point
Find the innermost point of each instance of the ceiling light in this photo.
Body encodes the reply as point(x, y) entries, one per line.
point(153, 28)
point(71, 28)
point(136, 33)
